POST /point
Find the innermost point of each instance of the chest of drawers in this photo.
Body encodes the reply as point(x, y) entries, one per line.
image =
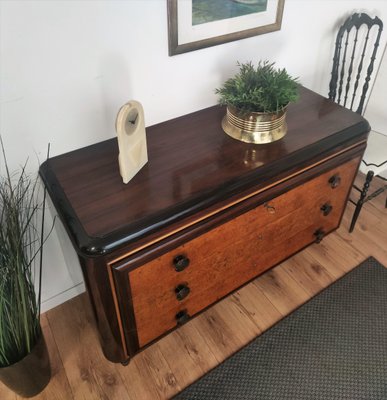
point(206, 215)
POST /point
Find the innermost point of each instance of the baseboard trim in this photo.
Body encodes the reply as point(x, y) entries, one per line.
point(62, 297)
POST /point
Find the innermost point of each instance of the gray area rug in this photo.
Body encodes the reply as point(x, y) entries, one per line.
point(332, 348)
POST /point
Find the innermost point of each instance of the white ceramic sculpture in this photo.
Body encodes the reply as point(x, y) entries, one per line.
point(130, 127)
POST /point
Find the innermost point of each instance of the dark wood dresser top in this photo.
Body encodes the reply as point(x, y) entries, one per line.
point(192, 165)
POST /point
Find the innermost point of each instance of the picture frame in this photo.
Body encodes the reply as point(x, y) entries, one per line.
point(184, 35)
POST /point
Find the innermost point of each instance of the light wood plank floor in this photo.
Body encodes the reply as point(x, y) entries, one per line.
point(81, 372)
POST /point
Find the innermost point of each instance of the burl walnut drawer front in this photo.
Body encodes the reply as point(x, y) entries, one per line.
point(184, 281)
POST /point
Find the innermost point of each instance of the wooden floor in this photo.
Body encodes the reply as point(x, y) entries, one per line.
point(81, 372)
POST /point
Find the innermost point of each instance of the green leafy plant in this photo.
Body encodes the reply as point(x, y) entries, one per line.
point(259, 89)
point(21, 250)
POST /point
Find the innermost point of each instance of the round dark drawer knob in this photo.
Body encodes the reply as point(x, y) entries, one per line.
point(319, 234)
point(180, 263)
point(182, 291)
point(326, 209)
point(334, 181)
point(182, 317)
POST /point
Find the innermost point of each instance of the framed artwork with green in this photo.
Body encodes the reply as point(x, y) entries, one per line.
point(196, 24)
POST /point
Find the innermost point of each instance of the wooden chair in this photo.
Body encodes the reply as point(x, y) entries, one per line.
point(356, 47)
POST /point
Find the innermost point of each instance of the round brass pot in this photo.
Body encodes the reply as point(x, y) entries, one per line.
point(254, 127)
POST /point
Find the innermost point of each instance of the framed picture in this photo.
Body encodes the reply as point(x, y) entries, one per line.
point(196, 24)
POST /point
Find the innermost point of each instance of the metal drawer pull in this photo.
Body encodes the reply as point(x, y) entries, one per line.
point(326, 209)
point(182, 317)
point(182, 291)
point(180, 263)
point(334, 181)
point(319, 234)
point(269, 208)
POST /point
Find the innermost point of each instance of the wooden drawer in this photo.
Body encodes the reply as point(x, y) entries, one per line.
point(232, 254)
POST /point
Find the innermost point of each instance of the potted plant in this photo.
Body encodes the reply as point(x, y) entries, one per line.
point(24, 362)
point(256, 100)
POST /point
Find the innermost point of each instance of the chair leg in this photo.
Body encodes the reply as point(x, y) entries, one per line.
point(360, 202)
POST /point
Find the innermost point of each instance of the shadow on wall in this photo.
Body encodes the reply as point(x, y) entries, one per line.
point(62, 277)
point(226, 67)
point(115, 89)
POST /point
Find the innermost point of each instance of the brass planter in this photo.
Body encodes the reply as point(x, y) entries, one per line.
point(30, 375)
point(255, 127)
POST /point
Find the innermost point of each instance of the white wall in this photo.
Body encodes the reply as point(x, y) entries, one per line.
point(375, 111)
point(67, 67)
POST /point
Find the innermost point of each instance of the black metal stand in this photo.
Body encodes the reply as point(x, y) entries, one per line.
point(361, 200)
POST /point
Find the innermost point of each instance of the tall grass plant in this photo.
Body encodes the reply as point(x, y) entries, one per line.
point(21, 249)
